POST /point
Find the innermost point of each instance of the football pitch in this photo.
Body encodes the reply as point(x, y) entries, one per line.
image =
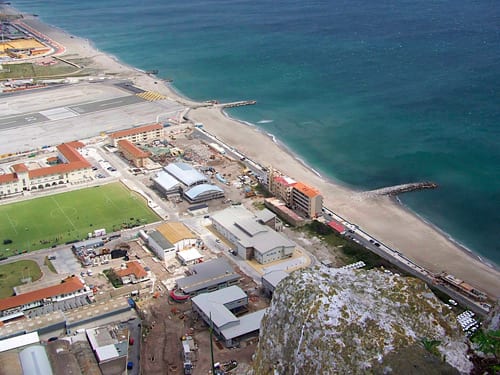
point(56, 219)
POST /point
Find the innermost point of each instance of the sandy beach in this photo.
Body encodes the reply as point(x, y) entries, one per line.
point(386, 220)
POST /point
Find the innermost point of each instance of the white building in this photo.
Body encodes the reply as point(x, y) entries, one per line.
point(169, 238)
point(251, 238)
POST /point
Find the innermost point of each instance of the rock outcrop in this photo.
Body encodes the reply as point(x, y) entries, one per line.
point(331, 321)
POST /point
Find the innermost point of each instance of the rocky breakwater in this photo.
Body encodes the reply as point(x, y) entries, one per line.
point(330, 321)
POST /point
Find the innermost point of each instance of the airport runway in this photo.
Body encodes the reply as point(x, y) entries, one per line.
point(36, 118)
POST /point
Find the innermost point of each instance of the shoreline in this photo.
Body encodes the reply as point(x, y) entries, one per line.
point(393, 223)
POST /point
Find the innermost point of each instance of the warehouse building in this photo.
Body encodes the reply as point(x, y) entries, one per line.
point(251, 238)
point(166, 183)
point(186, 174)
point(206, 277)
point(218, 310)
point(203, 193)
point(271, 280)
point(169, 238)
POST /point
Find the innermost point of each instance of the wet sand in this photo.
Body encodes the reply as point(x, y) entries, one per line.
point(382, 217)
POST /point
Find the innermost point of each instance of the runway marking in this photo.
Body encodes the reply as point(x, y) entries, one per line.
point(105, 104)
point(151, 96)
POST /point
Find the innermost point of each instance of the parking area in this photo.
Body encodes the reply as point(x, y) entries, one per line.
point(65, 262)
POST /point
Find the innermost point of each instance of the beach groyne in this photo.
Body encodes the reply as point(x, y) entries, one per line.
point(403, 188)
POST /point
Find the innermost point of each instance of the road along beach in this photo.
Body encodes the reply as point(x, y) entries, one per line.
point(382, 217)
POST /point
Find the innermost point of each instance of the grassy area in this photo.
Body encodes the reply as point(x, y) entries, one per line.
point(56, 219)
point(49, 264)
point(29, 70)
point(11, 275)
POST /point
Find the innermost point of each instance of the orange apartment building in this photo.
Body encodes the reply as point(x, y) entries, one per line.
point(133, 153)
point(140, 134)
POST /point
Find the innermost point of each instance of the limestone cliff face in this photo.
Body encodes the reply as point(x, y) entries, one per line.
point(328, 321)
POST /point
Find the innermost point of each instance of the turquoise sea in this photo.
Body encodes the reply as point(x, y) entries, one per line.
point(369, 93)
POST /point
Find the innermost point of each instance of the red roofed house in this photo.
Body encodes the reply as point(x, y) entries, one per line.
point(133, 272)
point(132, 153)
point(69, 288)
point(73, 168)
point(141, 134)
point(306, 200)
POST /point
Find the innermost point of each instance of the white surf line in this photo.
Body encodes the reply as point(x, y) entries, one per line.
point(11, 223)
point(58, 205)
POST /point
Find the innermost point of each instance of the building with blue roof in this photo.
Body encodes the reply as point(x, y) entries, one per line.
point(202, 193)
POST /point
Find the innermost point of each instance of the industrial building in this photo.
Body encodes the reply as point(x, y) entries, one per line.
point(110, 346)
point(167, 184)
point(139, 135)
point(218, 309)
point(186, 174)
point(133, 153)
point(72, 291)
point(251, 238)
point(71, 168)
point(203, 193)
point(206, 277)
point(271, 280)
point(189, 257)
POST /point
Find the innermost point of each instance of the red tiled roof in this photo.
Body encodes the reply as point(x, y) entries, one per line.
point(138, 130)
point(57, 169)
point(9, 177)
point(335, 225)
point(69, 285)
point(284, 181)
point(133, 268)
point(70, 153)
point(75, 161)
point(306, 189)
point(19, 168)
point(132, 149)
point(76, 144)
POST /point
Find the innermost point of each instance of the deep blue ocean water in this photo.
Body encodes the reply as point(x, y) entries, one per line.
point(369, 93)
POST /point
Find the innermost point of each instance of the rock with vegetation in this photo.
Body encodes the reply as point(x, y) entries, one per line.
point(332, 321)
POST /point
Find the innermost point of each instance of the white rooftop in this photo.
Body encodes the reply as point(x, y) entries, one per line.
point(166, 181)
point(185, 173)
point(189, 255)
point(18, 341)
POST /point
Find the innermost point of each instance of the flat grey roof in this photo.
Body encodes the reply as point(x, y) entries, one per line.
point(213, 304)
point(247, 323)
point(265, 215)
point(243, 224)
point(198, 207)
point(207, 274)
point(274, 277)
point(160, 240)
point(185, 173)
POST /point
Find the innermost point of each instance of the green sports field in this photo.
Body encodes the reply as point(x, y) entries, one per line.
point(56, 219)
